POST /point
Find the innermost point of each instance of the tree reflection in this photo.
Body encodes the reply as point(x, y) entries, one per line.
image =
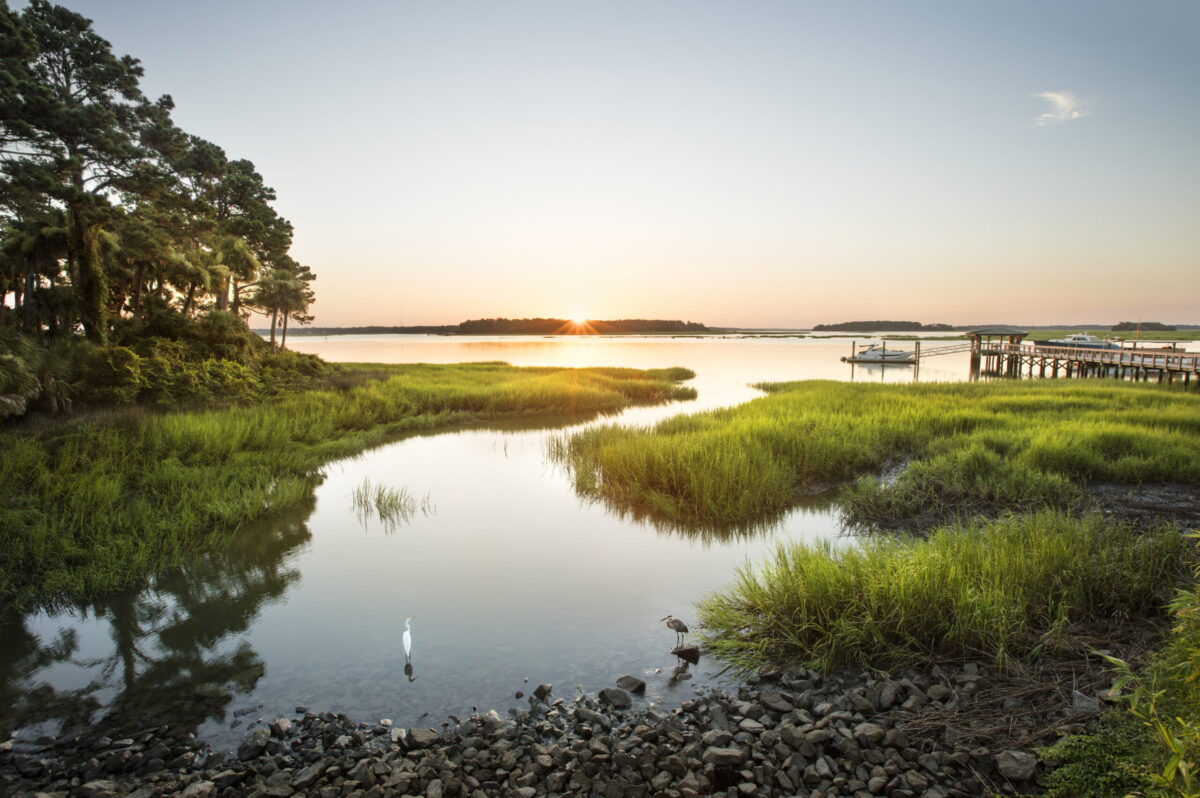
point(175, 657)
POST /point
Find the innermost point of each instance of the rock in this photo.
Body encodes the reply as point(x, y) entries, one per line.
point(687, 653)
point(385, 723)
point(253, 744)
point(198, 789)
point(592, 716)
point(542, 691)
point(869, 733)
point(1084, 704)
point(281, 727)
point(1016, 765)
point(723, 756)
point(98, 789)
point(775, 701)
point(632, 684)
point(716, 737)
point(616, 698)
point(939, 692)
point(421, 738)
point(309, 775)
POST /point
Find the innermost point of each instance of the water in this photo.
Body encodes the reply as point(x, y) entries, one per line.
point(508, 574)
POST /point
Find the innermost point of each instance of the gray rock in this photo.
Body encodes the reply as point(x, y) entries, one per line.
point(775, 701)
point(616, 698)
point(542, 691)
point(632, 684)
point(253, 744)
point(198, 789)
point(939, 692)
point(420, 738)
point(101, 788)
point(716, 737)
point(869, 733)
point(723, 756)
point(281, 727)
point(309, 775)
point(592, 716)
point(1016, 765)
point(385, 722)
point(1084, 704)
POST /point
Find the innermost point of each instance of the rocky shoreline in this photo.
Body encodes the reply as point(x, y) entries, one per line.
point(935, 732)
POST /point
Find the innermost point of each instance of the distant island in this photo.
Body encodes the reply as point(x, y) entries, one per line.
point(1144, 326)
point(538, 326)
point(882, 326)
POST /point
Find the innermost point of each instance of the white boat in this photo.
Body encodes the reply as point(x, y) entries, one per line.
point(879, 353)
point(1080, 340)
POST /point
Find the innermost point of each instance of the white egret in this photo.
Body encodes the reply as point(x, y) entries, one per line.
point(408, 639)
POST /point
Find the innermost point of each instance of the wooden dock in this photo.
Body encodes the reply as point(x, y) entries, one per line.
point(1004, 353)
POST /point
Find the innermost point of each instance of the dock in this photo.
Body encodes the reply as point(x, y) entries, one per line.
point(1003, 352)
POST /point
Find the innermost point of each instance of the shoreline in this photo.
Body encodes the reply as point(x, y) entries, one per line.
point(930, 731)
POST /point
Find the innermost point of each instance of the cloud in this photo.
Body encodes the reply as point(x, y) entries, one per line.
point(1064, 106)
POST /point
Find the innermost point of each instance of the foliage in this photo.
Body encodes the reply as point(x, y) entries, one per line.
point(1166, 699)
point(1107, 764)
point(992, 589)
point(113, 221)
point(95, 503)
point(970, 448)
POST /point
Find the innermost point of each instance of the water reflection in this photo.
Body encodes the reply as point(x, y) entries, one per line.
point(513, 577)
point(173, 656)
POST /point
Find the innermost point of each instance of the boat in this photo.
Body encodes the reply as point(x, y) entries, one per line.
point(879, 353)
point(1080, 341)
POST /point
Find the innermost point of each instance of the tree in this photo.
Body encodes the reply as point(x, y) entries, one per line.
point(80, 130)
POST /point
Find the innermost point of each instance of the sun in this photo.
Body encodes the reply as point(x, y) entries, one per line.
point(578, 319)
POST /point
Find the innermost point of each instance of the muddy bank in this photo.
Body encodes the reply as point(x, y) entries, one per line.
point(933, 732)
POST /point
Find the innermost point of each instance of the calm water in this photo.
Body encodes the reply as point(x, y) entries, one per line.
point(509, 575)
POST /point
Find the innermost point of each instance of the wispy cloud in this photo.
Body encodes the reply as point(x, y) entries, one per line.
point(1064, 106)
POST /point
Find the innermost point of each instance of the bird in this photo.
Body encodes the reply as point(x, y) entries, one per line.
point(408, 639)
point(679, 626)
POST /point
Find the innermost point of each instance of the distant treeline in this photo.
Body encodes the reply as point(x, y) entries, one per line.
point(520, 326)
point(882, 326)
point(446, 329)
point(1144, 326)
point(568, 327)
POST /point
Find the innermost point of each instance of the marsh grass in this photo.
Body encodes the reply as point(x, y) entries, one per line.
point(969, 448)
point(993, 590)
point(394, 507)
point(93, 505)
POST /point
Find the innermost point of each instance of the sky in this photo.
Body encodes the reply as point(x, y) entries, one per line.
point(744, 162)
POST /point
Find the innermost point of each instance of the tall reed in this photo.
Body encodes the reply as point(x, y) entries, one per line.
point(969, 447)
point(990, 590)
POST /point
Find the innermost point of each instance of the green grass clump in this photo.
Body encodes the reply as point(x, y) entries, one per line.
point(989, 590)
point(91, 505)
point(392, 506)
point(969, 447)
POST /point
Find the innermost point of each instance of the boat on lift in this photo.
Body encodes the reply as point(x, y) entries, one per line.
point(879, 353)
point(1081, 341)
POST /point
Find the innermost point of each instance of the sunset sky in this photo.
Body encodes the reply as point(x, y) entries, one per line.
point(736, 163)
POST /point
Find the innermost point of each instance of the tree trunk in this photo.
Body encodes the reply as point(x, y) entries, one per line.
point(283, 341)
point(91, 290)
point(28, 306)
point(187, 303)
point(274, 318)
point(223, 294)
point(138, 276)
